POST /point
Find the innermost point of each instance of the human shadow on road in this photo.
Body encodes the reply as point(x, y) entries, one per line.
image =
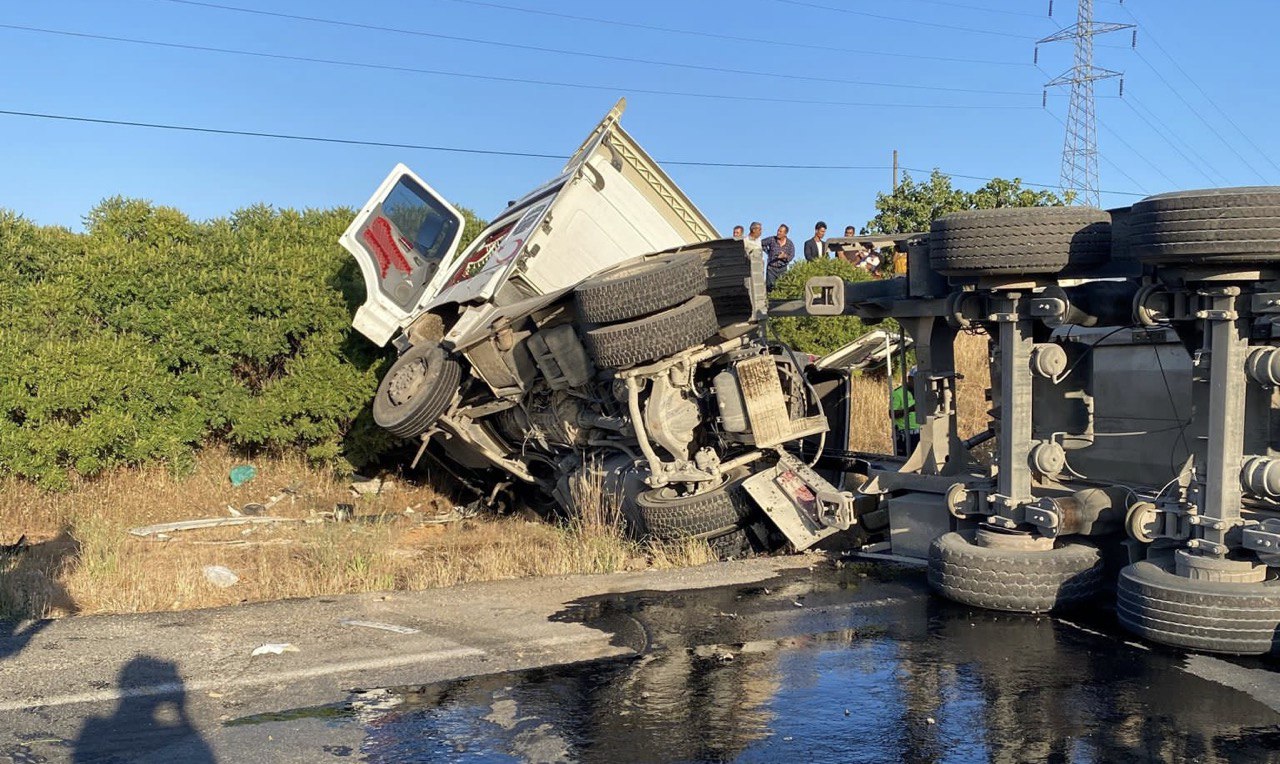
point(149, 723)
point(30, 590)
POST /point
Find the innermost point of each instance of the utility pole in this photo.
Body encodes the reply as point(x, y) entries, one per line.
point(1080, 151)
point(895, 172)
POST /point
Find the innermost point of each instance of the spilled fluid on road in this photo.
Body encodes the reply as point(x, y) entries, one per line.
point(855, 665)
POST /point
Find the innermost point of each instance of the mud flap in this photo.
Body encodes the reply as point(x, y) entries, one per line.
point(799, 502)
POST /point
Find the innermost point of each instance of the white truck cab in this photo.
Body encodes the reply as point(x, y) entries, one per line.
point(610, 203)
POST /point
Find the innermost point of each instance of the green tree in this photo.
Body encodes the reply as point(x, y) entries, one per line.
point(914, 206)
point(472, 228)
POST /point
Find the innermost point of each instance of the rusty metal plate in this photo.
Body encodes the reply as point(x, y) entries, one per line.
point(766, 405)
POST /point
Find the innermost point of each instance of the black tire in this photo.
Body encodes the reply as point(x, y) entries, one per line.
point(1019, 240)
point(1157, 604)
point(647, 339)
point(1218, 225)
point(735, 544)
point(640, 288)
point(668, 516)
point(416, 390)
point(1014, 580)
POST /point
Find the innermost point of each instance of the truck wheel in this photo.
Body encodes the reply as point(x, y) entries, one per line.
point(1156, 603)
point(1219, 225)
point(1012, 579)
point(618, 346)
point(669, 516)
point(416, 390)
point(1014, 241)
point(640, 288)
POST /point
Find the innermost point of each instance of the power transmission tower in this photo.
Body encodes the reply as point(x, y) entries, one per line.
point(1080, 151)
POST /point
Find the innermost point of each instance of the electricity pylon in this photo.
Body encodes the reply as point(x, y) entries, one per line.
point(1080, 151)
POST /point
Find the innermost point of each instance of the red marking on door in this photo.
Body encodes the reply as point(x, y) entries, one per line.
point(383, 242)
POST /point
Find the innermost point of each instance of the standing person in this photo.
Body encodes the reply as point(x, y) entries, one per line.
point(779, 251)
point(753, 242)
point(902, 408)
point(737, 232)
point(816, 248)
point(847, 252)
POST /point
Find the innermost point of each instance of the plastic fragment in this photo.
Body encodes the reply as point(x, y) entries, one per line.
point(219, 576)
point(242, 474)
point(274, 648)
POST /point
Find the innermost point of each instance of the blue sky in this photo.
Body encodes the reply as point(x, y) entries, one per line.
point(942, 102)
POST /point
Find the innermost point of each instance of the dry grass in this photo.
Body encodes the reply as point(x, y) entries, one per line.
point(869, 404)
point(83, 560)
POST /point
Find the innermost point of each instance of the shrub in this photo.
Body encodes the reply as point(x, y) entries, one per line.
point(817, 335)
point(150, 335)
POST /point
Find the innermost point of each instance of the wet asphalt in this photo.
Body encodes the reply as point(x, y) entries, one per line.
point(841, 663)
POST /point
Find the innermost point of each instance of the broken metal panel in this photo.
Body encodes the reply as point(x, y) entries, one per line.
point(799, 502)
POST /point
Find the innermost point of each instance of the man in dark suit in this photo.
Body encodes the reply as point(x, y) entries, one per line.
point(816, 248)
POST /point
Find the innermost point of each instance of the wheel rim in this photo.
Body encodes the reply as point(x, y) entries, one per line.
point(407, 381)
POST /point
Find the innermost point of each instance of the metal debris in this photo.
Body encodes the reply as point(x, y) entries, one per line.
point(160, 531)
point(382, 626)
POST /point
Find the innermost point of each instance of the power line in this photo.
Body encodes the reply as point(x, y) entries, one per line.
point(584, 54)
point(1003, 11)
point(1115, 166)
point(1200, 116)
point(1024, 182)
point(464, 150)
point(1223, 112)
point(1168, 137)
point(788, 44)
point(487, 77)
point(918, 22)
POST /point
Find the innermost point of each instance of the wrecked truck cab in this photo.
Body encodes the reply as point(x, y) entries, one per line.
point(609, 203)
point(597, 332)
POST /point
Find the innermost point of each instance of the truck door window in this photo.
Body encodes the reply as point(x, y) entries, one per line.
point(421, 220)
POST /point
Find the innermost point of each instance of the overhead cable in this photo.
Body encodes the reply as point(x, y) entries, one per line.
point(899, 19)
point(584, 54)
point(490, 77)
point(465, 150)
point(764, 40)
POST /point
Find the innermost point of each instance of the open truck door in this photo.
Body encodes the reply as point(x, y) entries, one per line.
point(400, 238)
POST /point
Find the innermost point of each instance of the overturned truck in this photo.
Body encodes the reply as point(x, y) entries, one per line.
point(1133, 402)
point(599, 331)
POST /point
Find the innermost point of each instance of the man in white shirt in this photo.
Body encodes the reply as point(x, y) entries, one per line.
point(752, 241)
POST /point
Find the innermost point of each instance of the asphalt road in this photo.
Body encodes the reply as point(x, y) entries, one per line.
point(160, 687)
point(759, 660)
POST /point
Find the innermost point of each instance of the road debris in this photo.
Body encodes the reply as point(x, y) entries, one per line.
point(219, 576)
point(366, 486)
point(274, 648)
point(379, 625)
point(160, 531)
point(242, 474)
point(465, 512)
